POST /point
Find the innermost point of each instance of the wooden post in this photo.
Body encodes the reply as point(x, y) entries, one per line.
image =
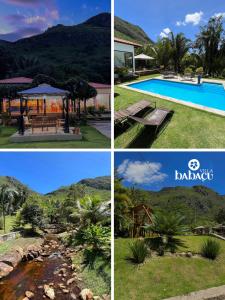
point(21, 121)
point(44, 106)
point(67, 129)
point(38, 108)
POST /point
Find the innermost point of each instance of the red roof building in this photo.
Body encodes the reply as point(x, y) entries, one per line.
point(17, 80)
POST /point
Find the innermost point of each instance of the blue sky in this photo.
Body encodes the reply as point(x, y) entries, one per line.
point(24, 18)
point(159, 16)
point(47, 171)
point(153, 171)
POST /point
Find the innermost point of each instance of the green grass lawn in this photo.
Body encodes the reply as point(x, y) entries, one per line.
point(162, 277)
point(188, 128)
point(91, 139)
point(98, 283)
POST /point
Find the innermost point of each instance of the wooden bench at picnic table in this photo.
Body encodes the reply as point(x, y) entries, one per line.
point(45, 122)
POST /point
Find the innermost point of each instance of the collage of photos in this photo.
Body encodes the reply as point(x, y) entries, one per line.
point(112, 150)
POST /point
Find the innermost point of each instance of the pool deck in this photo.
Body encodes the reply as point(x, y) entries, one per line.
point(179, 101)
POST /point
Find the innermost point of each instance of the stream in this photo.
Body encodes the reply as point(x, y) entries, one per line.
point(55, 270)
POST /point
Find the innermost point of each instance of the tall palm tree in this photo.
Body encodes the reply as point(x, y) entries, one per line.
point(210, 44)
point(162, 52)
point(180, 46)
point(7, 195)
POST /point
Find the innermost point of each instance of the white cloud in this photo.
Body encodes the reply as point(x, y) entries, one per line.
point(220, 14)
point(165, 32)
point(141, 172)
point(193, 19)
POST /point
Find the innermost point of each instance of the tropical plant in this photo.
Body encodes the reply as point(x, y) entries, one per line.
point(210, 43)
point(122, 209)
point(32, 214)
point(161, 52)
point(167, 225)
point(7, 195)
point(210, 249)
point(179, 47)
point(91, 210)
point(139, 251)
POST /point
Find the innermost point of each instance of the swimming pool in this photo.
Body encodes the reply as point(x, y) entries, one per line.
point(205, 95)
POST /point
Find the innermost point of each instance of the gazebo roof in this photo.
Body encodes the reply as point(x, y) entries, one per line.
point(44, 89)
point(143, 56)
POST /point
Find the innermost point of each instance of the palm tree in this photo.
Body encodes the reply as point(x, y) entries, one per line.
point(91, 210)
point(179, 47)
point(210, 44)
point(162, 52)
point(7, 195)
point(167, 225)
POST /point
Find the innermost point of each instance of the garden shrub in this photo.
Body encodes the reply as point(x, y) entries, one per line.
point(199, 71)
point(210, 249)
point(188, 70)
point(139, 251)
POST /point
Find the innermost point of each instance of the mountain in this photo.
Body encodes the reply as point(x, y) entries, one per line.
point(13, 182)
point(197, 202)
point(99, 185)
point(130, 32)
point(62, 52)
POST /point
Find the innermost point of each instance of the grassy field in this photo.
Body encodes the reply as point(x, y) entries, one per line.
point(98, 283)
point(162, 277)
point(91, 139)
point(188, 128)
point(9, 221)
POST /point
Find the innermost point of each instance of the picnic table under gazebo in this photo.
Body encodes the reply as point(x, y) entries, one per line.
point(42, 94)
point(44, 127)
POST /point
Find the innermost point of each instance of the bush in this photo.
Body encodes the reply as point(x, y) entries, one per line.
point(102, 108)
point(188, 70)
point(210, 249)
point(199, 71)
point(139, 251)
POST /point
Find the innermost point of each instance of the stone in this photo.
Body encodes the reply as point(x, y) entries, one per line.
point(39, 259)
point(5, 269)
point(189, 254)
point(49, 292)
point(11, 259)
point(86, 294)
point(20, 251)
point(70, 281)
point(29, 294)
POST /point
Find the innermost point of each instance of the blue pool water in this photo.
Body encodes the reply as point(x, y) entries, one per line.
point(206, 94)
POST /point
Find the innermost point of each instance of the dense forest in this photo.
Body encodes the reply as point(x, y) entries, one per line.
point(62, 52)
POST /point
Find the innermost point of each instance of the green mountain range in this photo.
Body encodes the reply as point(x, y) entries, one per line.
point(62, 52)
point(199, 204)
point(130, 32)
point(92, 186)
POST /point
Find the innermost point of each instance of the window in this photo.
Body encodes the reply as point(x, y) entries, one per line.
point(123, 59)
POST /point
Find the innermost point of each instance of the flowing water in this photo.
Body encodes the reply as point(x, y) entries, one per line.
point(32, 275)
